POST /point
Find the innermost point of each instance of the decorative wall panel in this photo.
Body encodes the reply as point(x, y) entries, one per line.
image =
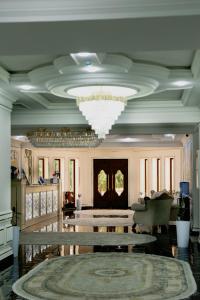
point(36, 250)
point(29, 207)
point(43, 229)
point(43, 203)
point(43, 247)
point(49, 202)
point(36, 207)
point(40, 201)
point(55, 226)
point(49, 227)
point(9, 234)
point(28, 252)
point(55, 201)
point(2, 233)
point(6, 234)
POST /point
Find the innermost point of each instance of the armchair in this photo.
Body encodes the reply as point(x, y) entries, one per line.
point(155, 212)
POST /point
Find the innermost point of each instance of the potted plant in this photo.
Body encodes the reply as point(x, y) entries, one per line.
point(183, 222)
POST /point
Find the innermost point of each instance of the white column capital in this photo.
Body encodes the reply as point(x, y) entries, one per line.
point(6, 96)
point(6, 99)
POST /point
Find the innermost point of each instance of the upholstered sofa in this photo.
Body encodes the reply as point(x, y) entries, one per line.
point(154, 212)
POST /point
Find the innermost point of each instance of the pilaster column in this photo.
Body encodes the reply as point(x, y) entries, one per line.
point(196, 180)
point(5, 182)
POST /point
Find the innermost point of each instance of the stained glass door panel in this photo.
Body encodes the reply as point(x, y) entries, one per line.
point(102, 182)
point(119, 182)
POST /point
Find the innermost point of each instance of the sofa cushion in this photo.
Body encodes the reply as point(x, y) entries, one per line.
point(162, 195)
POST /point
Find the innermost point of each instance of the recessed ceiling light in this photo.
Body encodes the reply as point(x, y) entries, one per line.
point(25, 87)
point(84, 54)
point(170, 135)
point(129, 140)
point(22, 138)
point(181, 83)
point(91, 68)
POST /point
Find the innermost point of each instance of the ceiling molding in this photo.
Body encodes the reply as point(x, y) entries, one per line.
point(126, 129)
point(134, 116)
point(39, 99)
point(112, 69)
point(158, 104)
point(72, 107)
point(44, 117)
point(19, 105)
point(169, 115)
point(4, 75)
point(195, 64)
point(61, 10)
point(153, 128)
point(191, 96)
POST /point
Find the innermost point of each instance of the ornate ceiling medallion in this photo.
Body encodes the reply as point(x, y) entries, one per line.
point(101, 83)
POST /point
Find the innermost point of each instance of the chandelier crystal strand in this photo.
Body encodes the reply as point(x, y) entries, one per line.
point(101, 105)
point(101, 114)
point(63, 137)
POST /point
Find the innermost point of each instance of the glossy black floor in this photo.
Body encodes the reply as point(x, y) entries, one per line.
point(29, 256)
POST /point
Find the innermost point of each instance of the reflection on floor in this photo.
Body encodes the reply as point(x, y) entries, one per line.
point(31, 255)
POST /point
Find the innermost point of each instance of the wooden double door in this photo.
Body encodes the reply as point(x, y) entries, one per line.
point(110, 183)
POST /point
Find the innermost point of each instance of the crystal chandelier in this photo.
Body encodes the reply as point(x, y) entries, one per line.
point(63, 137)
point(101, 105)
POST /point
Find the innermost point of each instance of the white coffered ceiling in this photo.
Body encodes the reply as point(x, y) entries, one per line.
point(159, 34)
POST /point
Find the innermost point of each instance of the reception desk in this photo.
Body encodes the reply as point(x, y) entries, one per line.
point(34, 203)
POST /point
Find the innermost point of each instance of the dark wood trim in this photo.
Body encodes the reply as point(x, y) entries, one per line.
point(74, 175)
point(171, 160)
point(87, 207)
point(145, 175)
point(158, 174)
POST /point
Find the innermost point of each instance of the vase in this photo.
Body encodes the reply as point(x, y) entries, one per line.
point(15, 241)
point(183, 233)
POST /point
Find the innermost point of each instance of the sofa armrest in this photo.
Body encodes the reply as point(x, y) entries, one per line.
point(138, 207)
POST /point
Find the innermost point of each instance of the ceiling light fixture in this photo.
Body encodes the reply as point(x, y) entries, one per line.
point(91, 68)
point(101, 105)
point(21, 138)
point(169, 135)
point(181, 83)
point(84, 54)
point(129, 140)
point(63, 137)
point(25, 87)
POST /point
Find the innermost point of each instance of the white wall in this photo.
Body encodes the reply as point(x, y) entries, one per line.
point(5, 190)
point(187, 159)
point(85, 158)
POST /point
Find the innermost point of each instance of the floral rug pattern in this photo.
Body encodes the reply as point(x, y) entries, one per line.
point(124, 276)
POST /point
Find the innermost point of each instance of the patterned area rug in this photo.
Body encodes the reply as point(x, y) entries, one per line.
point(84, 238)
point(100, 221)
point(105, 212)
point(113, 276)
